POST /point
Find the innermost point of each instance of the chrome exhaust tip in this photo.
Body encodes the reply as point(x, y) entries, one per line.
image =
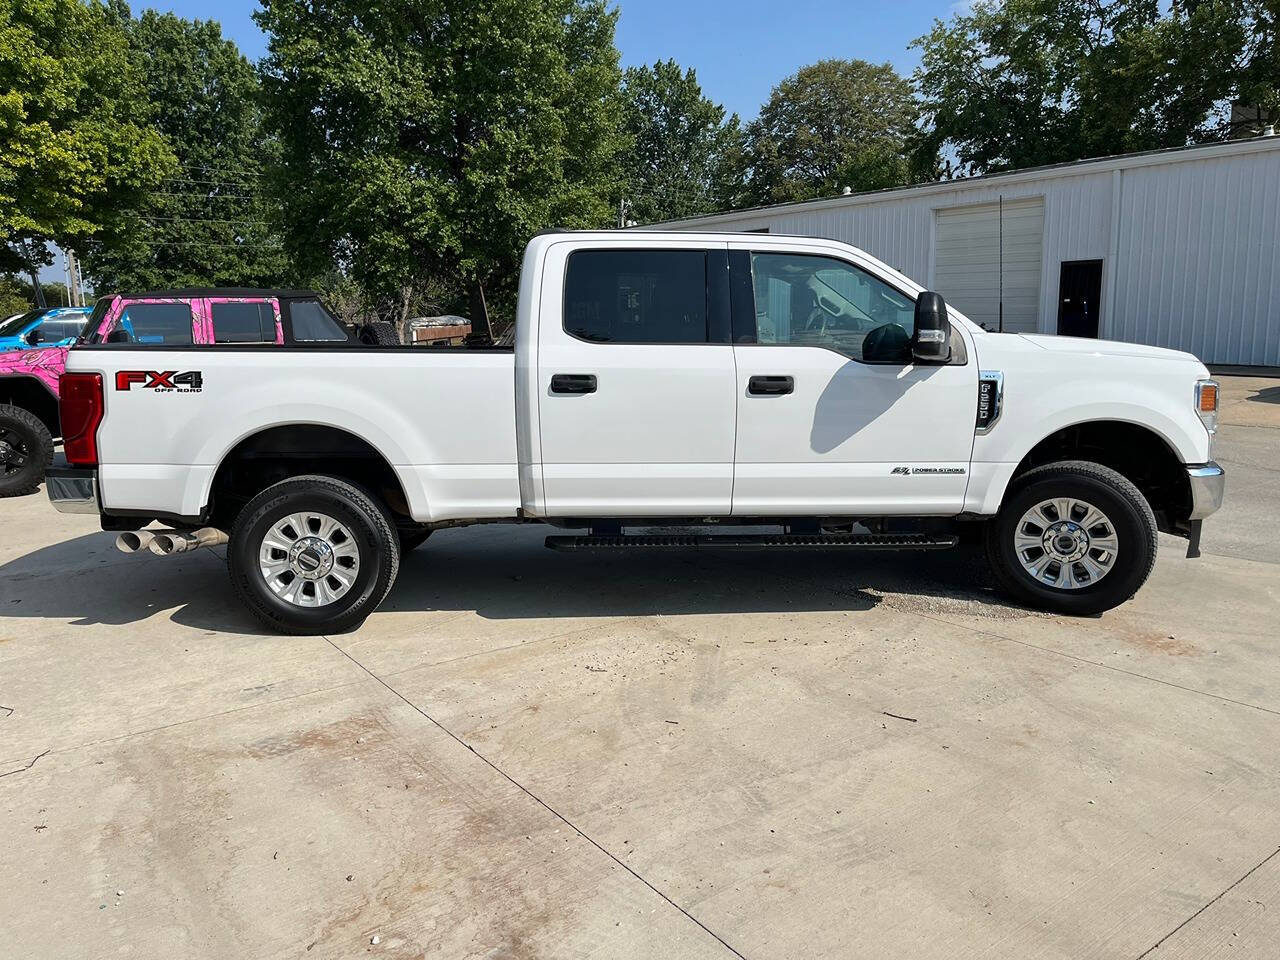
point(168, 542)
point(134, 541)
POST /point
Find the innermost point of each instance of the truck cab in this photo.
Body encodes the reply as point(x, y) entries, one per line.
point(791, 385)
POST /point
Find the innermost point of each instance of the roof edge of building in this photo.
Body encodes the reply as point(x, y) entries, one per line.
point(1123, 161)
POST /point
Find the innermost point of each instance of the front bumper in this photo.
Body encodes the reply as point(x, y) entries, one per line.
point(73, 489)
point(1208, 480)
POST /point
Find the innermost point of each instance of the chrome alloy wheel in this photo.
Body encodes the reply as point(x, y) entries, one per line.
point(309, 559)
point(1066, 543)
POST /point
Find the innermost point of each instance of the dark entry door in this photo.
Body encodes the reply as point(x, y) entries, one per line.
point(1079, 296)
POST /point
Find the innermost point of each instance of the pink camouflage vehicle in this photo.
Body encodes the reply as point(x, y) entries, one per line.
point(29, 391)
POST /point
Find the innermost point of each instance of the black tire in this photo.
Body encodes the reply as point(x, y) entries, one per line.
point(380, 333)
point(1124, 506)
point(412, 537)
point(27, 451)
point(371, 530)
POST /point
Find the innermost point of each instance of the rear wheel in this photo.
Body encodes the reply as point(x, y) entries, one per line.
point(1074, 537)
point(26, 450)
point(313, 554)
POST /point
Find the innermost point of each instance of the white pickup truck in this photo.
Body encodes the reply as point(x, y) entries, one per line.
point(790, 387)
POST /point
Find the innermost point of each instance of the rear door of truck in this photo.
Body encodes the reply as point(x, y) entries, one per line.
point(636, 382)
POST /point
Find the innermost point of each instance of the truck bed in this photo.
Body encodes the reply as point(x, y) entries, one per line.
point(445, 419)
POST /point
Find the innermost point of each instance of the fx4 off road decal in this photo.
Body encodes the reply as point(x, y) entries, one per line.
point(162, 381)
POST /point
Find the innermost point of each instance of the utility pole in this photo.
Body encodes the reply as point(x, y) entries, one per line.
point(75, 294)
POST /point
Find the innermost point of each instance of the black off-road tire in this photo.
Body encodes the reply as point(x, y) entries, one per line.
point(371, 529)
point(26, 431)
point(1109, 491)
point(412, 537)
point(379, 333)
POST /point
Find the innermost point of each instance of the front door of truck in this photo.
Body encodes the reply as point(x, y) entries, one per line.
point(635, 374)
point(834, 417)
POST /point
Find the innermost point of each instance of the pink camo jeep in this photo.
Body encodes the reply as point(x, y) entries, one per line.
point(29, 378)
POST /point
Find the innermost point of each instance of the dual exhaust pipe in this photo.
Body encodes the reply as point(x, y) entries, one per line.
point(165, 543)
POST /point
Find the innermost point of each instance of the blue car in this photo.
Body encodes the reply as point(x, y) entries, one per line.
point(53, 327)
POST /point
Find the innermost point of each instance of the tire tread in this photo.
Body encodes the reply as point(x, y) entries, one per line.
point(1012, 583)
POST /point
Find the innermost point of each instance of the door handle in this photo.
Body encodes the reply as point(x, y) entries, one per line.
point(573, 383)
point(770, 386)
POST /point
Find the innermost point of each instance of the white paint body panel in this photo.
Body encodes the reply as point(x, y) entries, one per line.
point(670, 430)
point(657, 436)
point(159, 451)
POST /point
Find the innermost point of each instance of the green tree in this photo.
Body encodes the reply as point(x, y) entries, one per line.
point(683, 156)
point(75, 147)
point(833, 124)
point(1257, 94)
point(208, 223)
point(1027, 82)
point(427, 141)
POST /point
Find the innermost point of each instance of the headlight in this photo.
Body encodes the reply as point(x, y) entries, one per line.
point(1207, 404)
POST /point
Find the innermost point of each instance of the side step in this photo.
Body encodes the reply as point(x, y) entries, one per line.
point(772, 541)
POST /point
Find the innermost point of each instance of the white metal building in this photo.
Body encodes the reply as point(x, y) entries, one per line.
point(1176, 248)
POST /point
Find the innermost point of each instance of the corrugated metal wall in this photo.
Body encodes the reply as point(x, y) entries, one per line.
point(1190, 242)
point(1199, 259)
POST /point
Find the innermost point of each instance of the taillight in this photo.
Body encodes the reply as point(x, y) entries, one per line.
point(80, 406)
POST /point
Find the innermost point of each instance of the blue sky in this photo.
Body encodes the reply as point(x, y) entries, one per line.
point(739, 48)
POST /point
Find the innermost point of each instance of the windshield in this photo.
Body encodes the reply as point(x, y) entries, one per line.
point(13, 326)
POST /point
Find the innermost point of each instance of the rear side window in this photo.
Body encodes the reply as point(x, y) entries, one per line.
point(51, 331)
point(311, 321)
point(243, 322)
point(636, 296)
point(155, 323)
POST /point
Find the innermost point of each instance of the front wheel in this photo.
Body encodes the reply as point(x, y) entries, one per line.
point(1073, 537)
point(312, 555)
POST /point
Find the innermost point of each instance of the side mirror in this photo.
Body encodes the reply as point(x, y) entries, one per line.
point(119, 335)
point(931, 342)
point(32, 337)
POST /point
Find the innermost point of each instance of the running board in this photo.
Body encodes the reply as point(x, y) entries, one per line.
point(775, 541)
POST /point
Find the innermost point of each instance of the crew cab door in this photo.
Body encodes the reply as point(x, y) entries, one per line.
point(635, 379)
point(834, 417)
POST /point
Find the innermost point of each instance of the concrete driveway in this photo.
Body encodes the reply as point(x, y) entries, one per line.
point(688, 755)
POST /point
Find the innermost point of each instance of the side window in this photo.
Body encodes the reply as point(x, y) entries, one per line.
point(154, 323)
point(252, 322)
point(312, 322)
point(824, 302)
point(636, 296)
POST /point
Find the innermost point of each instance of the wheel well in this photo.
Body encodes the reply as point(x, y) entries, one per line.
point(1131, 450)
point(33, 396)
point(276, 454)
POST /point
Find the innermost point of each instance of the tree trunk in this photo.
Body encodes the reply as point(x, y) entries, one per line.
point(479, 312)
point(402, 328)
point(36, 288)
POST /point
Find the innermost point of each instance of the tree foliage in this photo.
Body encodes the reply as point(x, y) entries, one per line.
point(684, 157)
point(833, 124)
point(1027, 82)
point(434, 137)
point(207, 224)
point(75, 144)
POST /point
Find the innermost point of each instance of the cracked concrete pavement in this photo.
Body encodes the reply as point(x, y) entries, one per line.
point(530, 754)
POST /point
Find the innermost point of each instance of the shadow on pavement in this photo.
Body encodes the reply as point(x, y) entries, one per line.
point(504, 573)
point(1265, 395)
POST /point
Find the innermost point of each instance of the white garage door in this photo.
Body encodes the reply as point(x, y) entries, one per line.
point(967, 265)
